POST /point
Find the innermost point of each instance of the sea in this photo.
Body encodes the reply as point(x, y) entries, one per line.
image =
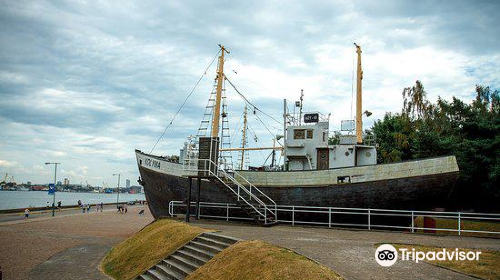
point(23, 199)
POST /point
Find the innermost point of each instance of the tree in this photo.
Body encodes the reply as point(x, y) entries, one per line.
point(471, 132)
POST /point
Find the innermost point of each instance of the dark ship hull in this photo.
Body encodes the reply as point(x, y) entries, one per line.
point(380, 186)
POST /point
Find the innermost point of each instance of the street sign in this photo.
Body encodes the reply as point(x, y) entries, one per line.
point(52, 189)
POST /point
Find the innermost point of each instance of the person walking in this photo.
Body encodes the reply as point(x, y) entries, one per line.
point(59, 205)
point(102, 205)
point(26, 213)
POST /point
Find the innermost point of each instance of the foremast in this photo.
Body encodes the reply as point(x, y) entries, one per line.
point(218, 94)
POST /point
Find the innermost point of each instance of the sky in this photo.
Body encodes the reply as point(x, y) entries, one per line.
point(85, 83)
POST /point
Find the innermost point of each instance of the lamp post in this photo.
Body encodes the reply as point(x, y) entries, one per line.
point(54, 194)
point(118, 192)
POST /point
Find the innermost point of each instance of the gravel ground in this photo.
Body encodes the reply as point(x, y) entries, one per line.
point(25, 245)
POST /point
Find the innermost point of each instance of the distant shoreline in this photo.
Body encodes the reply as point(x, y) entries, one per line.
point(14, 200)
point(19, 210)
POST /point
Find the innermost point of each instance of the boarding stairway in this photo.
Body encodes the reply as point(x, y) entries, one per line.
point(255, 203)
point(188, 258)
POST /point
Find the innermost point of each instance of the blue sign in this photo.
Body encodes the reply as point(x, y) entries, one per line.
point(52, 189)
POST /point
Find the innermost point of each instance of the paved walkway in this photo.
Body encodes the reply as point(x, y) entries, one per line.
point(66, 246)
point(352, 253)
point(72, 246)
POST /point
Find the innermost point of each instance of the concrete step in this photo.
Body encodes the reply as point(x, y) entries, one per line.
point(170, 273)
point(269, 223)
point(177, 266)
point(202, 246)
point(209, 241)
point(198, 260)
point(198, 252)
point(219, 237)
point(145, 277)
point(185, 262)
point(188, 258)
point(156, 275)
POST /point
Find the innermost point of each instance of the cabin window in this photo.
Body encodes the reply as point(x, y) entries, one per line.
point(324, 136)
point(309, 134)
point(299, 134)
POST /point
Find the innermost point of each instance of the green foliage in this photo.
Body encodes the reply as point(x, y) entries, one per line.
point(334, 139)
point(471, 132)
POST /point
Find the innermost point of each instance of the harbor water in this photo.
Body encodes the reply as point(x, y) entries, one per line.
point(23, 199)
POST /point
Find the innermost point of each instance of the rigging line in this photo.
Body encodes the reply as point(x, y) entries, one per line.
point(267, 128)
point(185, 101)
point(267, 158)
point(250, 103)
point(237, 127)
point(255, 135)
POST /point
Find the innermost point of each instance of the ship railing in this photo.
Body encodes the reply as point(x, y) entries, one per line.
point(270, 201)
point(412, 221)
point(212, 169)
point(252, 196)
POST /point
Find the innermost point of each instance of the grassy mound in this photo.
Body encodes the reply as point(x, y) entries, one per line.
point(487, 267)
point(259, 260)
point(147, 247)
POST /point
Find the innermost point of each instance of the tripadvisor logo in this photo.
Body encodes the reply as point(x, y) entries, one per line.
point(387, 255)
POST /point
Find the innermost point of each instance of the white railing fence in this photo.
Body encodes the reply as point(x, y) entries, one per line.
point(364, 218)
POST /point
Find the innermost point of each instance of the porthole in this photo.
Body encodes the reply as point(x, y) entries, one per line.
point(346, 154)
point(368, 154)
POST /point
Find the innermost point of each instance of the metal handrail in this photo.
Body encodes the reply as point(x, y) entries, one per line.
point(262, 193)
point(232, 179)
point(459, 216)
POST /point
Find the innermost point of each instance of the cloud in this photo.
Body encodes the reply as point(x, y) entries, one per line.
point(85, 83)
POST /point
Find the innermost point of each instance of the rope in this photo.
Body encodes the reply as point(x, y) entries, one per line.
point(257, 138)
point(266, 127)
point(184, 103)
point(250, 103)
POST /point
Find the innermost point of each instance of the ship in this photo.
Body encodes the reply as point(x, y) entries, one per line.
point(314, 172)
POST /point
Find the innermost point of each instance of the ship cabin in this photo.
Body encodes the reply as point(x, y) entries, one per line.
point(307, 148)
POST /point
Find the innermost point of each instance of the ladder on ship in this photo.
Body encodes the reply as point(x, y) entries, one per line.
point(255, 203)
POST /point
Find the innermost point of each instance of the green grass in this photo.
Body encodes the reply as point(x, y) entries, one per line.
point(464, 225)
point(255, 259)
point(147, 247)
point(487, 267)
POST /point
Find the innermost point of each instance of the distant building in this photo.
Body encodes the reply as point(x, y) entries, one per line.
point(59, 183)
point(135, 189)
point(127, 183)
point(28, 183)
point(66, 182)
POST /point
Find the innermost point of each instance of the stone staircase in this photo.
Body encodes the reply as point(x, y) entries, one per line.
point(188, 258)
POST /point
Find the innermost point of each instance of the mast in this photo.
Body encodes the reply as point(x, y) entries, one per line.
point(220, 79)
point(359, 99)
point(284, 131)
point(301, 100)
point(244, 139)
